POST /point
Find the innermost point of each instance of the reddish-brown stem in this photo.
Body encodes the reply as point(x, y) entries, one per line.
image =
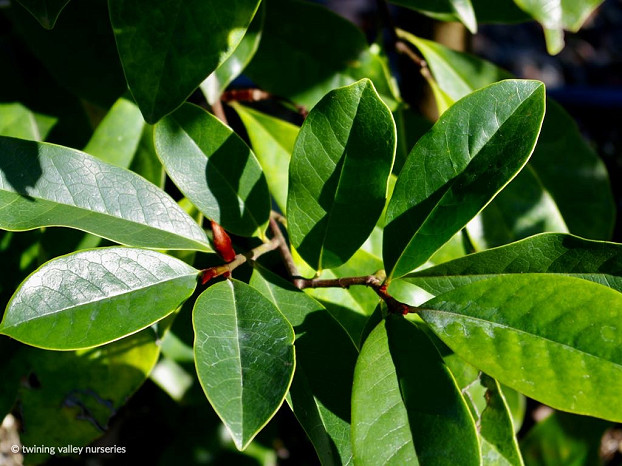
point(253, 254)
point(373, 281)
point(286, 254)
point(245, 95)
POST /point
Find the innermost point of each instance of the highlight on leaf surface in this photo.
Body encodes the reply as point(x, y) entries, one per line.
point(477, 146)
point(339, 173)
point(96, 296)
point(556, 339)
point(244, 356)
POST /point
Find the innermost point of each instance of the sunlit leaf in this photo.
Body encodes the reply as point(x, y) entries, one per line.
point(96, 296)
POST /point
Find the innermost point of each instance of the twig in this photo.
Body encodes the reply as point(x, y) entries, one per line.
point(253, 254)
point(286, 254)
point(245, 95)
point(375, 281)
point(403, 48)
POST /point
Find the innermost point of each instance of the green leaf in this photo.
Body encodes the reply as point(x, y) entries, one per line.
point(445, 10)
point(406, 406)
point(549, 253)
point(80, 391)
point(456, 73)
point(215, 169)
point(116, 138)
point(168, 50)
point(556, 339)
point(45, 11)
point(557, 15)
point(215, 84)
point(493, 411)
point(499, 445)
point(244, 355)
point(273, 141)
point(96, 296)
point(325, 359)
point(304, 67)
point(468, 156)
point(522, 209)
point(18, 122)
point(517, 403)
point(338, 174)
point(564, 438)
point(46, 185)
point(564, 163)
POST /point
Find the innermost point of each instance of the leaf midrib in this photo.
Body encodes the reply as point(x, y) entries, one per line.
point(522, 332)
point(225, 180)
point(89, 212)
point(345, 155)
point(87, 303)
point(451, 183)
point(239, 359)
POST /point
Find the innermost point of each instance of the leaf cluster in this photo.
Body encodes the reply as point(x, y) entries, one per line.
point(429, 279)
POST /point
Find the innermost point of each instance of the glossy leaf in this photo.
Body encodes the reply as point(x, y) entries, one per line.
point(325, 359)
point(18, 122)
point(168, 51)
point(499, 445)
point(45, 11)
point(216, 83)
point(458, 167)
point(117, 136)
point(273, 141)
point(46, 185)
point(96, 296)
point(556, 339)
point(456, 73)
point(522, 209)
point(566, 166)
point(446, 10)
point(81, 390)
point(215, 169)
point(338, 174)
point(488, 406)
point(244, 356)
point(406, 406)
point(304, 67)
point(557, 15)
point(548, 253)
point(517, 403)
